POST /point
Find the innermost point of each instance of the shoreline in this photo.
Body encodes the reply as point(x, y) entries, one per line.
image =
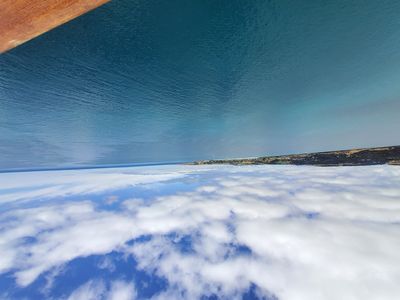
point(352, 157)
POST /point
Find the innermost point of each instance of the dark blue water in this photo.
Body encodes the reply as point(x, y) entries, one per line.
point(145, 81)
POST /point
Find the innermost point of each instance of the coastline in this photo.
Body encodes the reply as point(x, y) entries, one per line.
point(352, 157)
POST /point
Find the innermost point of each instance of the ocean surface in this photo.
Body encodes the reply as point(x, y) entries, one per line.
point(159, 81)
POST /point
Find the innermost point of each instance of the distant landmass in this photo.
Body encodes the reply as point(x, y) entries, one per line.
point(353, 157)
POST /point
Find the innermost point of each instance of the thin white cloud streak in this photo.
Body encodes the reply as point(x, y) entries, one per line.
point(50, 184)
point(91, 290)
point(349, 250)
point(96, 289)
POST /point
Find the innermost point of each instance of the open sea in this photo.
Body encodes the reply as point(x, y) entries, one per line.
point(160, 81)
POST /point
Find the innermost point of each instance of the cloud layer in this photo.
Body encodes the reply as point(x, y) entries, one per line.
point(281, 232)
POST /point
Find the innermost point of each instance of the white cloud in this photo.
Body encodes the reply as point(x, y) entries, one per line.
point(92, 290)
point(311, 233)
point(38, 185)
point(96, 290)
point(121, 290)
point(98, 233)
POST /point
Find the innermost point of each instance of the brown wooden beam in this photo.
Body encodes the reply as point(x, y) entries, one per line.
point(22, 20)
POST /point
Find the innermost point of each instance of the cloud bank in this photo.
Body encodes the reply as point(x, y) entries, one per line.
point(279, 232)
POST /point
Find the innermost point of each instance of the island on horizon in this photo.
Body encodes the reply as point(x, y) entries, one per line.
point(353, 157)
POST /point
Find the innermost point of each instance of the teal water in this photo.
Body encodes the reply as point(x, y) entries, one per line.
point(150, 81)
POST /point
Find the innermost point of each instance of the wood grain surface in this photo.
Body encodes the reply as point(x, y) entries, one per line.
point(22, 20)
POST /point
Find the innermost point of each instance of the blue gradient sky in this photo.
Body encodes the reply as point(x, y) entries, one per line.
point(148, 81)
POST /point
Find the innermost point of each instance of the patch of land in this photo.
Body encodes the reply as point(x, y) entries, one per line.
point(353, 157)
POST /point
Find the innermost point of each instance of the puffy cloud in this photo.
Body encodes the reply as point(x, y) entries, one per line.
point(121, 290)
point(294, 232)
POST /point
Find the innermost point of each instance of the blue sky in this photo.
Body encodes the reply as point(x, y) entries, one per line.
point(201, 232)
point(151, 81)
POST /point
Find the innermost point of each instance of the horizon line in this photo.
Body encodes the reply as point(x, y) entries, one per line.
point(89, 167)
